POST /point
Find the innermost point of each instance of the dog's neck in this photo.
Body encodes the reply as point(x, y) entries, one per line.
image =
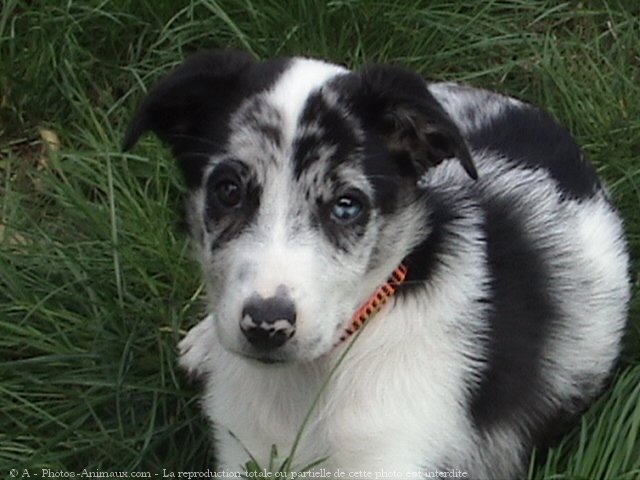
point(375, 302)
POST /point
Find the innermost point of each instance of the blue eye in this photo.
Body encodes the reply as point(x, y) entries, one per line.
point(346, 209)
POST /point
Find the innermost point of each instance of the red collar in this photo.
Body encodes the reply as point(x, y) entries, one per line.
point(375, 302)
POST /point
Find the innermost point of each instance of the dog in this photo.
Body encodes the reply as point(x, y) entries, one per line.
point(437, 267)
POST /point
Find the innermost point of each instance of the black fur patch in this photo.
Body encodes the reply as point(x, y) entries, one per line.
point(521, 316)
point(397, 104)
point(265, 120)
point(322, 126)
point(228, 223)
point(385, 173)
point(527, 135)
point(521, 312)
point(430, 254)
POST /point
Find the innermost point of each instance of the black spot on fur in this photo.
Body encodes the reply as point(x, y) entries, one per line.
point(430, 254)
point(382, 170)
point(271, 132)
point(322, 126)
point(521, 315)
point(305, 151)
point(264, 119)
point(531, 137)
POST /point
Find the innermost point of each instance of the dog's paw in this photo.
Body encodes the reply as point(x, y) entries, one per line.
point(194, 349)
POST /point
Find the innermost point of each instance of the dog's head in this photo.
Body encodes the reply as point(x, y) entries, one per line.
point(303, 193)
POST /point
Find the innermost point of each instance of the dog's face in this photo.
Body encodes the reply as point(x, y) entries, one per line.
point(302, 179)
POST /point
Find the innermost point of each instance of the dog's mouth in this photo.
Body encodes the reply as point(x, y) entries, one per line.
point(268, 360)
point(265, 358)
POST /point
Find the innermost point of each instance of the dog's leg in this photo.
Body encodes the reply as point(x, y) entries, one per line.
point(195, 348)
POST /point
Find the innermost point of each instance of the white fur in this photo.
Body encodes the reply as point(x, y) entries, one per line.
point(469, 107)
point(294, 87)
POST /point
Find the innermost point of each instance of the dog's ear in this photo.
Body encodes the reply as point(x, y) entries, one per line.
point(411, 120)
point(181, 108)
point(173, 104)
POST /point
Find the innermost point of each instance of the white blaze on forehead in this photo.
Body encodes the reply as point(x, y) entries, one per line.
point(282, 252)
point(290, 93)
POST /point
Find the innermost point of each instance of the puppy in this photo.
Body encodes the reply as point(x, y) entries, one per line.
point(461, 233)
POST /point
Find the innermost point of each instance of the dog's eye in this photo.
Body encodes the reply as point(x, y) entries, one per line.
point(229, 193)
point(347, 209)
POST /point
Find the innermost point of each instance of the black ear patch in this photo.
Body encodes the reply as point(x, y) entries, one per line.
point(411, 120)
point(186, 108)
point(168, 109)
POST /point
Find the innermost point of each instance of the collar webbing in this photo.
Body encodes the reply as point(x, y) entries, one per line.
point(375, 302)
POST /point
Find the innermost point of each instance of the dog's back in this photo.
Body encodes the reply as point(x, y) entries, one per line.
point(557, 269)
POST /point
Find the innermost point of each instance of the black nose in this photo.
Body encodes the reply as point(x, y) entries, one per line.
point(268, 322)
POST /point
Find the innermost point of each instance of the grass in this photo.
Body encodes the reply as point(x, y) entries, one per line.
point(97, 284)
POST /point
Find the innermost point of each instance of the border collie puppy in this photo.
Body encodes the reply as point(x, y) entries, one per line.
point(463, 230)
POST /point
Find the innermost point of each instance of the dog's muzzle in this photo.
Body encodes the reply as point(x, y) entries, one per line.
point(268, 323)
